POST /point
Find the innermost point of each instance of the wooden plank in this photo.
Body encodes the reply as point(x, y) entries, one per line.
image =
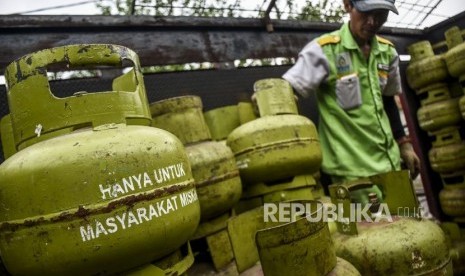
point(169, 40)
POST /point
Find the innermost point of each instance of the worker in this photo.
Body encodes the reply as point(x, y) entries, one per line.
point(355, 75)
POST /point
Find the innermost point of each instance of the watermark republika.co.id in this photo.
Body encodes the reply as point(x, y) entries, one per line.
point(286, 212)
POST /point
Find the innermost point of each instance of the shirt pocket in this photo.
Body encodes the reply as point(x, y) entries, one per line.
point(348, 94)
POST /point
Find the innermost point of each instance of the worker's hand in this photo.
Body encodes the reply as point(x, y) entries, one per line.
point(410, 158)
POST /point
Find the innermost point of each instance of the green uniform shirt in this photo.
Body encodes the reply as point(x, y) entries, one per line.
point(355, 134)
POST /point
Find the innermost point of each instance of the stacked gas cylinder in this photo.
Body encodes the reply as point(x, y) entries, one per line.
point(455, 60)
point(301, 246)
point(276, 156)
point(89, 187)
point(104, 183)
point(432, 77)
point(438, 81)
point(214, 169)
point(277, 153)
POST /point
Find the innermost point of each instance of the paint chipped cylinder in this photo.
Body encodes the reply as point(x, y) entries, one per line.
point(455, 56)
point(452, 196)
point(392, 239)
point(274, 97)
point(100, 191)
point(449, 158)
point(183, 117)
point(380, 248)
point(213, 165)
point(456, 239)
point(425, 67)
point(448, 152)
point(438, 115)
point(452, 200)
point(216, 177)
point(453, 37)
point(287, 238)
point(303, 246)
point(275, 147)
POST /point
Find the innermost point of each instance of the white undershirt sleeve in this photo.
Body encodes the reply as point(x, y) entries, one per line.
point(309, 71)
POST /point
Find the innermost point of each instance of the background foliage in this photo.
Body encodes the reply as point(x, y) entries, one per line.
point(311, 10)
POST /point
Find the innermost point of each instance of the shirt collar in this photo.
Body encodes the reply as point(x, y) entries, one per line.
point(348, 40)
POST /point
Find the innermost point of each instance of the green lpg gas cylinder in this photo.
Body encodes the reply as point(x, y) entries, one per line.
point(93, 188)
point(8, 140)
point(288, 238)
point(456, 239)
point(455, 56)
point(438, 115)
point(388, 237)
point(452, 196)
point(458, 256)
point(222, 121)
point(455, 59)
point(448, 152)
point(213, 165)
point(278, 145)
point(301, 247)
point(435, 92)
point(216, 177)
point(425, 67)
point(183, 117)
point(452, 200)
